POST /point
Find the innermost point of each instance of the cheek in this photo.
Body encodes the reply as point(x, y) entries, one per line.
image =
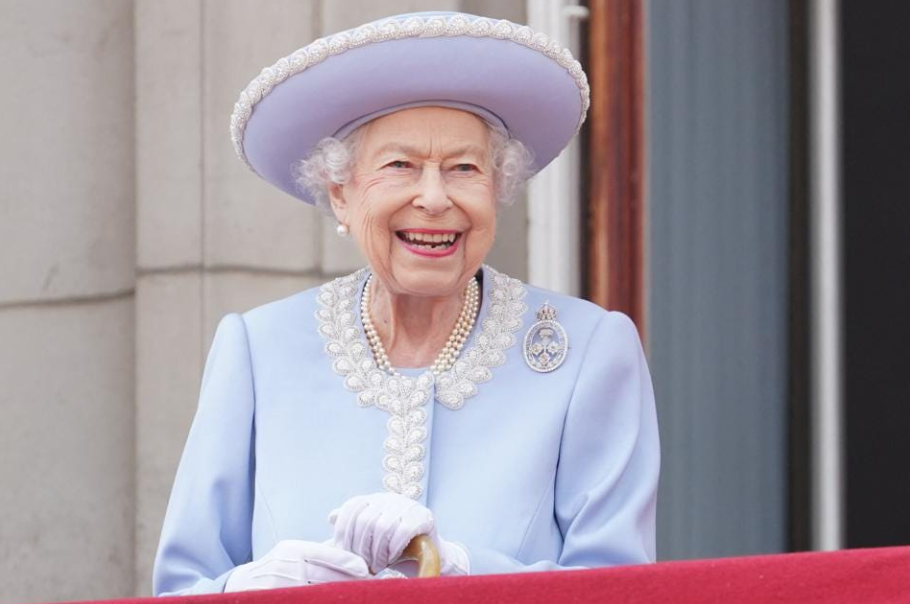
point(372, 233)
point(483, 225)
point(485, 208)
point(370, 221)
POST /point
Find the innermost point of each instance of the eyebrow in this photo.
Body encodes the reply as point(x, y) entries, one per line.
point(412, 151)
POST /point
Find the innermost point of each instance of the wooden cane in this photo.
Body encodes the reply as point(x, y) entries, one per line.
point(422, 549)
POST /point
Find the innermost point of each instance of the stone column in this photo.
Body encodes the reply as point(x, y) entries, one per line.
point(66, 300)
point(212, 237)
point(169, 348)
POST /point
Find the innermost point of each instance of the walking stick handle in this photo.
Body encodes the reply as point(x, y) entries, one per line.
point(423, 550)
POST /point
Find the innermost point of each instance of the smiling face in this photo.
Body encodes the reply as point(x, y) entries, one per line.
point(420, 202)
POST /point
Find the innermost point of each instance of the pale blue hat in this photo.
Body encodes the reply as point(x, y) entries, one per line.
point(516, 79)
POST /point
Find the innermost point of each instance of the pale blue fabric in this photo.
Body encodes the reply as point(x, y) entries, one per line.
point(538, 471)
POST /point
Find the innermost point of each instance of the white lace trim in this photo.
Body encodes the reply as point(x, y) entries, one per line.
point(504, 317)
point(405, 397)
point(394, 29)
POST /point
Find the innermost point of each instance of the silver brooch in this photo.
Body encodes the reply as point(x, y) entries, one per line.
point(546, 343)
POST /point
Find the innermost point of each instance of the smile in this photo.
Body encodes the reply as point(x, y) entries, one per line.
point(429, 242)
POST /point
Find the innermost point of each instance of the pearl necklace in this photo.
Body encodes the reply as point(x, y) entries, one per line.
point(449, 353)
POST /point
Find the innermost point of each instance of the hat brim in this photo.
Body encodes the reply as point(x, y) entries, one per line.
point(535, 97)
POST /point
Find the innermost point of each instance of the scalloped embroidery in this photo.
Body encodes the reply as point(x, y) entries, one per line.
point(405, 397)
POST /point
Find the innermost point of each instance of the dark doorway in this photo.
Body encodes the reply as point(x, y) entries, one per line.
point(876, 168)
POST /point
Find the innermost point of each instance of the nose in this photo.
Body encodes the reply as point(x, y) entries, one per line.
point(432, 196)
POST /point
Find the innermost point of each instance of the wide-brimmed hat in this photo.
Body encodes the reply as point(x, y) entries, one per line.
point(516, 79)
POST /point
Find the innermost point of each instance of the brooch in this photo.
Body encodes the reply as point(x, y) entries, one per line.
point(546, 343)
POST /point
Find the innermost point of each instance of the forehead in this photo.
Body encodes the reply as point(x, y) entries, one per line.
point(425, 127)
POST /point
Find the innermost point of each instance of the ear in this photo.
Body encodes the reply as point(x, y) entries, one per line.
point(338, 202)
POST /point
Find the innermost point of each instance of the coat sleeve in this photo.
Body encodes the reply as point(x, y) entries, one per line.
point(207, 526)
point(609, 462)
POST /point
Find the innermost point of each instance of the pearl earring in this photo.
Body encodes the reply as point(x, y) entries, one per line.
point(342, 230)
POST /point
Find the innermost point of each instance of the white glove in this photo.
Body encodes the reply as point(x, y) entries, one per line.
point(378, 528)
point(291, 563)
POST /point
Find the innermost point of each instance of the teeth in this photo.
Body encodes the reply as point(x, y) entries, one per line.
point(429, 238)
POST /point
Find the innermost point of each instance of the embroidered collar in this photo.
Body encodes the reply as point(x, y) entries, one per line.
point(404, 397)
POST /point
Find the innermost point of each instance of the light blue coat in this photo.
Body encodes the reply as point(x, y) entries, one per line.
point(527, 470)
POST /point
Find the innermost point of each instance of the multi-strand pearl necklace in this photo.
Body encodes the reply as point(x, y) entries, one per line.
point(453, 345)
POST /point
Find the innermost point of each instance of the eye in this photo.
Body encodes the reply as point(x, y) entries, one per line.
point(465, 168)
point(398, 163)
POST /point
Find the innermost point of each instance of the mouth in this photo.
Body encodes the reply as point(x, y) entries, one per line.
point(430, 242)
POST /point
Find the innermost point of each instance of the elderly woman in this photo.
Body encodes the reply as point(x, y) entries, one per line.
point(426, 394)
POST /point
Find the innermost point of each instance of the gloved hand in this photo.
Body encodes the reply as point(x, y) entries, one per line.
point(378, 527)
point(291, 563)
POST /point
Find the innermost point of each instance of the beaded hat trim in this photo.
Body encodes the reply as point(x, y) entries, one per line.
point(394, 29)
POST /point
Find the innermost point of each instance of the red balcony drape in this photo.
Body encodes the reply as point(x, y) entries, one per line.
point(866, 576)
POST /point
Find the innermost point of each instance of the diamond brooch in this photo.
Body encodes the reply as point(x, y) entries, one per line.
point(546, 343)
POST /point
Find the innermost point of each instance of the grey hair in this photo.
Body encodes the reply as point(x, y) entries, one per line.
point(332, 159)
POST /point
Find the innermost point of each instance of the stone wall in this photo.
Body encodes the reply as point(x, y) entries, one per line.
point(67, 260)
point(127, 230)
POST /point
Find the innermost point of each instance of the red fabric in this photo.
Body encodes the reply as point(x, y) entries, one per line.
point(867, 576)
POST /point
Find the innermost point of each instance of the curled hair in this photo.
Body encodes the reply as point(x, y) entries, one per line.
point(332, 159)
point(512, 166)
point(329, 162)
